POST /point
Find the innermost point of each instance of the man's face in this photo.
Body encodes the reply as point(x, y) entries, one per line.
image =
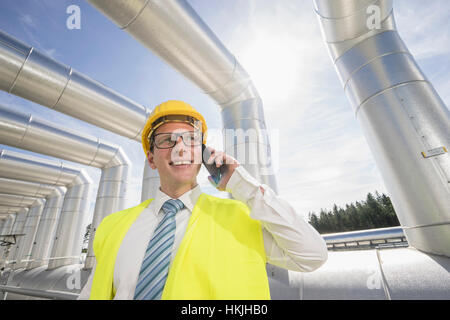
point(180, 164)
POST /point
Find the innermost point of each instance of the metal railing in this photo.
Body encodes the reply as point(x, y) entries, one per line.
point(46, 294)
point(366, 239)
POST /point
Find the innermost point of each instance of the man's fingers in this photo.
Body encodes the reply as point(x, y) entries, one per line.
point(217, 158)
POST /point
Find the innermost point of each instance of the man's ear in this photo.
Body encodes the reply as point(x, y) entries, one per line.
point(150, 160)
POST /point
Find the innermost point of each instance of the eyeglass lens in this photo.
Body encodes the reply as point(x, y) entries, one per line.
point(168, 140)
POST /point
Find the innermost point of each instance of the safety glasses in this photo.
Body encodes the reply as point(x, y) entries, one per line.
point(169, 140)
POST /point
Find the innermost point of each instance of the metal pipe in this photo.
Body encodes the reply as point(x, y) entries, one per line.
point(45, 234)
point(24, 244)
point(36, 169)
point(17, 228)
point(69, 231)
point(26, 188)
point(47, 224)
point(364, 235)
point(405, 122)
point(47, 294)
point(27, 73)
point(6, 224)
point(200, 56)
point(9, 209)
point(16, 200)
point(41, 136)
point(7, 221)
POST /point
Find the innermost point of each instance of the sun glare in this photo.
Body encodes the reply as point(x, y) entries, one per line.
point(272, 66)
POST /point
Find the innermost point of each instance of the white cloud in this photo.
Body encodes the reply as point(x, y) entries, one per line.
point(424, 27)
point(30, 26)
point(27, 20)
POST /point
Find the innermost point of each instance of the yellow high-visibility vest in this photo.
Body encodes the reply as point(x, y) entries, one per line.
point(220, 257)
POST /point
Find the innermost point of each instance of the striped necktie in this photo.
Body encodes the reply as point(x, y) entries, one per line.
point(155, 265)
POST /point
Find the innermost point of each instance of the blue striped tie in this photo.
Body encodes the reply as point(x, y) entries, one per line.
point(155, 265)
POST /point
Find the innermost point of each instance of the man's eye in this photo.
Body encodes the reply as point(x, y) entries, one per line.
point(164, 139)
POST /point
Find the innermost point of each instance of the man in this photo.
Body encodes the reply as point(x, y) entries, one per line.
point(185, 244)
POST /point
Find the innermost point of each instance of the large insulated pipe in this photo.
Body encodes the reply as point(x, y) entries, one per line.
point(26, 188)
point(9, 209)
point(405, 122)
point(28, 132)
point(47, 225)
point(40, 251)
point(174, 32)
point(6, 224)
point(27, 73)
point(67, 242)
point(17, 228)
point(16, 200)
point(24, 243)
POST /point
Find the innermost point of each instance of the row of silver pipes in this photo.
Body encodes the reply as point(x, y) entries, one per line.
point(405, 123)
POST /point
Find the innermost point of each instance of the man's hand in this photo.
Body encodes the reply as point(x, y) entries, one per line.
point(230, 164)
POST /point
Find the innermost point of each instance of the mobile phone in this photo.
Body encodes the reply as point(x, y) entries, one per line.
point(216, 173)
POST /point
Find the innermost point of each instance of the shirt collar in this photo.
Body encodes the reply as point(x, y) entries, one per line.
point(189, 198)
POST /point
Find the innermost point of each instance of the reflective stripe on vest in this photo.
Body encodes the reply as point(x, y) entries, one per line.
point(220, 257)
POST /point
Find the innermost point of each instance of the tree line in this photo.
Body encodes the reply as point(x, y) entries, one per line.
point(375, 212)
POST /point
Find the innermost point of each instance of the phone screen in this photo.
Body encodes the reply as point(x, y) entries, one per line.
point(215, 172)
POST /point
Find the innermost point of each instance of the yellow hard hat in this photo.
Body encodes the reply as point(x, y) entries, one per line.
point(165, 112)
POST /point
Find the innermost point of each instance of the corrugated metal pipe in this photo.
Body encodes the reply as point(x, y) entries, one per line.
point(405, 122)
point(67, 243)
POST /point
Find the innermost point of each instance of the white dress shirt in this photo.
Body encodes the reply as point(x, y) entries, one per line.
point(289, 241)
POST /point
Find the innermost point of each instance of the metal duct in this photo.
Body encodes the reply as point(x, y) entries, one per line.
point(31, 133)
point(17, 228)
point(174, 32)
point(20, 216)
point(6, 224)
point(40, 252)
point(26, 188)
point(16, 200)
point(9, 209)
point(67, 243)
point(405, 122)
point(29, 74)
point(25, 243)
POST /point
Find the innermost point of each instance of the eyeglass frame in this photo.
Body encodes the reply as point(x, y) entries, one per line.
point(178, 134)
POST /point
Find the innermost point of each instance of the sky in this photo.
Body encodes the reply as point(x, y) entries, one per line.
point(323, 157)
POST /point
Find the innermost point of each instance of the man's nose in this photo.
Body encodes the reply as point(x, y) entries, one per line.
point(179, 146)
